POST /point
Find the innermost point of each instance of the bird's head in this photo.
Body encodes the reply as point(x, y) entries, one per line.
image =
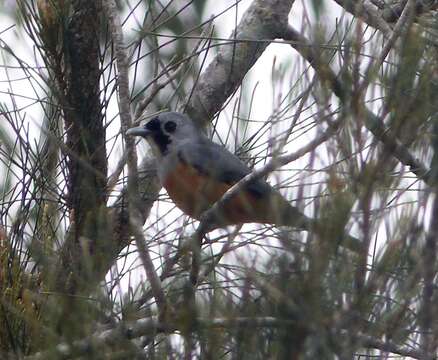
point(167, 131)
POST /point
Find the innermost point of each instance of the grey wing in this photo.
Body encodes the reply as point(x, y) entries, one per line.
point(214, 160)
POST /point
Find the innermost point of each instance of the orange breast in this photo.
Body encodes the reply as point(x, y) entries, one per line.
point(194, 193)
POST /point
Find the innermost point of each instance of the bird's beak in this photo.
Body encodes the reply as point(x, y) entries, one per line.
point(138, 131)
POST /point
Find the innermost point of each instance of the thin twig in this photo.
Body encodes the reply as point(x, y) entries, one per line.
point(400, 27)
point(373, 123)
point(208, 216)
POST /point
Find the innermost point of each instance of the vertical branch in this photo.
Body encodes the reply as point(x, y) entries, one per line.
point(75, 51)
point(83, 117)
point(427, 315)
point(428, 265)
point(135, 216)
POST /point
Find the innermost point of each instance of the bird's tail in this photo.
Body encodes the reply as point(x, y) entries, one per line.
point(288, 215)
point(292, 217)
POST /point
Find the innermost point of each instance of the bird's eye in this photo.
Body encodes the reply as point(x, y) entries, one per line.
point(153, 125)
point(170, 126)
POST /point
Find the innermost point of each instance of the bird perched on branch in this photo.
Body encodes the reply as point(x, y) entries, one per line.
point(196, 173)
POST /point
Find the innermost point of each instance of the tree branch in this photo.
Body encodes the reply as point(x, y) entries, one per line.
point(152, 326)
point(135, 216)
point(372, 122)
point(78, 83)
point(380, 18)
point(264, 20)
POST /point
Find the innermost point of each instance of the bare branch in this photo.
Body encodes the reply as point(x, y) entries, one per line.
point(135, 215)
point(386, 13)
point(264, 20)
point(78, 81)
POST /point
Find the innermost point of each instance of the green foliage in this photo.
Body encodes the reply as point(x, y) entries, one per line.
point(20, 302)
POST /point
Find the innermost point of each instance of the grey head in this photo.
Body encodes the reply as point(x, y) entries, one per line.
point(167, 131)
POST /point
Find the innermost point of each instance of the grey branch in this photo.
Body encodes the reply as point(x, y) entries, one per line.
point(264, 20)
point(152, 326)
point(379, 17)
point(135, 216)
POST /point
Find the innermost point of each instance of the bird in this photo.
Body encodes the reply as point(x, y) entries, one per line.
point(196, 172)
